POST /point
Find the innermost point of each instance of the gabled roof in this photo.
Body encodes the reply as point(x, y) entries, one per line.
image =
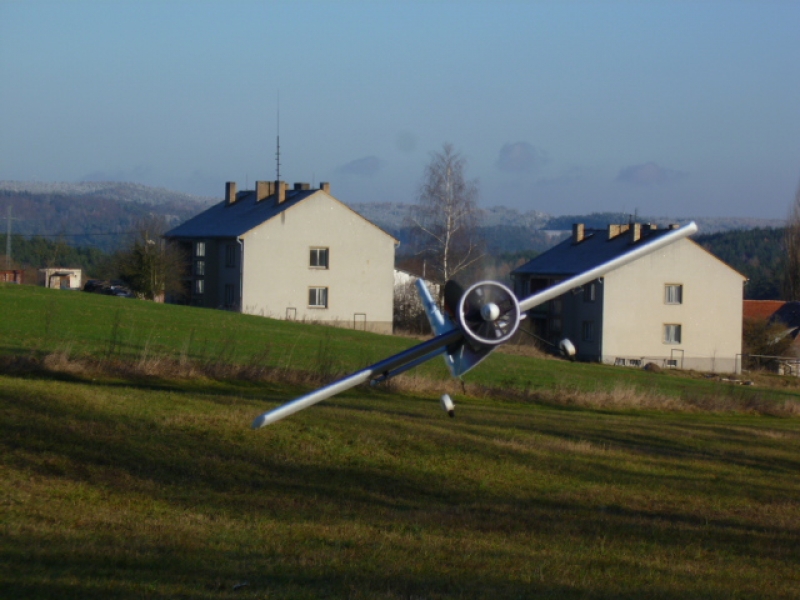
point(761, 309)
point(570, 258)
point(226, 220)
point(229, 221)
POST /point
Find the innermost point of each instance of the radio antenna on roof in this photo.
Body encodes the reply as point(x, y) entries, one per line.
point(278, 151)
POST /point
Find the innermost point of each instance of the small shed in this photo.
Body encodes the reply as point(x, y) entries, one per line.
point(60, 278)
point(11, 276)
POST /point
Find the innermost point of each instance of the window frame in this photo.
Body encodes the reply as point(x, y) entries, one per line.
point(319, 257)
point(672, 334)
point(319, 298)
point(590, 292)
point(200, 267)
point(200, 286)
point(230, 255)
point(678, 289)
point(587, 331)
point(200, 249)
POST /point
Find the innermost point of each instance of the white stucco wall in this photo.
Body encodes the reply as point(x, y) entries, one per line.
point(635, 312)
point(360, 280)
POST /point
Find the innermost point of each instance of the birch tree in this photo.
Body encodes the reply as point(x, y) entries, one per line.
point(791, 241)
point(445, 217)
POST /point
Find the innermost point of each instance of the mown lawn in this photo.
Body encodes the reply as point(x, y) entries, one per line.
point(114, 490)
point(156, 487)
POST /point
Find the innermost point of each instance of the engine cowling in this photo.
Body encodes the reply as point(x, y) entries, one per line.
point(488, 313)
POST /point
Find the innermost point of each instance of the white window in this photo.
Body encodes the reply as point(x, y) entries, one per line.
point(319, 258)
point(200, 249)
point(200, 286)
point(230, 255)
point(673, 293)
point(589, 292)
point(672, 333)
point(318, 297)
point(200, 267)
point(587, 331)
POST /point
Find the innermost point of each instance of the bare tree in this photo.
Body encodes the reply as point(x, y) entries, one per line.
point(445, 217)
point(151, 266)
point(791, 241)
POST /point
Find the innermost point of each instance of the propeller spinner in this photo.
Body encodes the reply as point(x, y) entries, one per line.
point(488, 313)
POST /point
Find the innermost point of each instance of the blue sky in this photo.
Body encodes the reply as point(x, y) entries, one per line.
point(680, 108)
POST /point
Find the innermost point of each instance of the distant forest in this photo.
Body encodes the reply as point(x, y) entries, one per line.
point(756, 253)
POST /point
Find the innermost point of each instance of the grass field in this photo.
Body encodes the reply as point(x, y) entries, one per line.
point(554, 479)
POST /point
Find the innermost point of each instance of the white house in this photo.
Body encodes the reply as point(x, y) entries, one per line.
point(677, 307)
point(296, 254)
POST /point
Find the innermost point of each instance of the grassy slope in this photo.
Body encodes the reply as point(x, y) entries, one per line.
point(144, 489)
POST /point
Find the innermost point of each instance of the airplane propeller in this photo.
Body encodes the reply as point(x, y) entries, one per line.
point(488, 313)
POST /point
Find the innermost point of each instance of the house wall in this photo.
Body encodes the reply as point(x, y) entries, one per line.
point(710, 315)
point(359, 278)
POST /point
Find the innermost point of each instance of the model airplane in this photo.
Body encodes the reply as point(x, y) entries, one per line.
point(478, 320)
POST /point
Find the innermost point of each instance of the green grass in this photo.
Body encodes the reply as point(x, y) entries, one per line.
point(151, 487)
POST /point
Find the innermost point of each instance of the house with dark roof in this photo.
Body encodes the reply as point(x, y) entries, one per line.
point(678, 307)
point(296, 254)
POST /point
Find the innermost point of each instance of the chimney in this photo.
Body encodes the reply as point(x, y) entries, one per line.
point(325, 187)
point(230, 193)
point(300, 187)
point(280, 191)
point(578, 232)
point(636, 232)
point(614, 231)
point(263, 190)
point(674, 226)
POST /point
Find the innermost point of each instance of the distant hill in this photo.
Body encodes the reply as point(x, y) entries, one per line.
point(509, 230)
point(97, 214)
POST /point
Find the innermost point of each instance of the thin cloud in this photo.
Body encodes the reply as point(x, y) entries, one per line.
point(521, 157)
point(361, 167)
point(648, 174)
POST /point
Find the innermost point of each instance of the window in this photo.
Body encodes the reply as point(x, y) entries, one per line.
point(673, 293)
point(587, 331)
point(672, 333)
point(589, 292)
point(230, 295)
point(318, 297)
point(200, 286)
point(200, 249)
point(319, 258)
point(200, 267)
point(556, 306)
point(230, 255)
point(555, 325)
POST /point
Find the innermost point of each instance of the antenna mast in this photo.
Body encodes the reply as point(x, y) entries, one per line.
point(278, 151)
